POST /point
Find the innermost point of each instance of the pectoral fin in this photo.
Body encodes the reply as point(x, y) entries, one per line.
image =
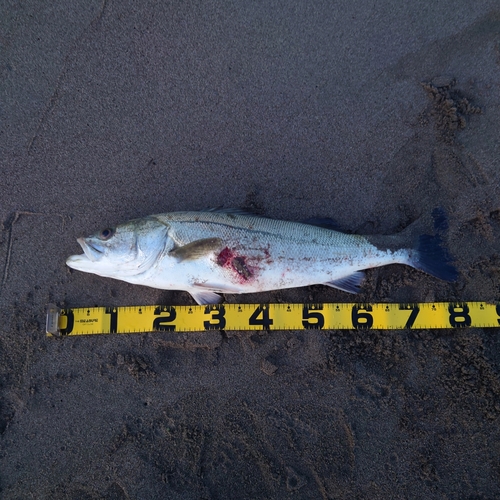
point(349, 283)
point(196, 249)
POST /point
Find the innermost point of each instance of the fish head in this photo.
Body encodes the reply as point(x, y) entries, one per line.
point(126, 250)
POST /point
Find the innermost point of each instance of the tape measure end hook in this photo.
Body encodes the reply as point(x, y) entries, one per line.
point(52, 324)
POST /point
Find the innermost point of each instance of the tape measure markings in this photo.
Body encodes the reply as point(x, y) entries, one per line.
point(327, 316)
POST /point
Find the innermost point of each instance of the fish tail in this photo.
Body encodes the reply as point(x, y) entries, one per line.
point(431, 256)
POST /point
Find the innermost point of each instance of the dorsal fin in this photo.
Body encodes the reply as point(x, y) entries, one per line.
point(232, 211)
point(324, 222)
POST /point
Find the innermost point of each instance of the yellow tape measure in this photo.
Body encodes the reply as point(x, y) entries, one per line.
point(326, 316)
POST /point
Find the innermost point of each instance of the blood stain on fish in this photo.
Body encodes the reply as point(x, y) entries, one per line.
point(224, 256)
point(227, 258)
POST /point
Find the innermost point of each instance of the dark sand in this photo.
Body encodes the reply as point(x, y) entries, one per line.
point(114, 110)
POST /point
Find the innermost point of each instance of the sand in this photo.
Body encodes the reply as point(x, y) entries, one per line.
point(369, 113)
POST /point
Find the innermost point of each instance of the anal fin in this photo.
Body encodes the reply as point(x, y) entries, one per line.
point(350, 283)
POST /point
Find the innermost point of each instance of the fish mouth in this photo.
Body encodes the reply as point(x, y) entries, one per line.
point(92, 252)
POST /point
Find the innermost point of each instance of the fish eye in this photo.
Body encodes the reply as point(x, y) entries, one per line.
point(106, 233)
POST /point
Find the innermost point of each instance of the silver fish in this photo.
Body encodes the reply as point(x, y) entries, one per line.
point(231, 251)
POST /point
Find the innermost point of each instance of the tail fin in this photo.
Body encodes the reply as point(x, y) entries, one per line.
point(422, 251)
point(430, 255)
point(432, 258)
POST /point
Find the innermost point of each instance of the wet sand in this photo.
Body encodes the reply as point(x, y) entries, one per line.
point(370, 114)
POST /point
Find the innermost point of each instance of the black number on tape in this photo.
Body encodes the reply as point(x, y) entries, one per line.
point(161, 324)
point(217, 313)
point(265, 321)
point(113, 320)
point(459, 315)
point(311, 312)
point(361, 318)
point(498, 312)
point(70, 322)
point(413, 315)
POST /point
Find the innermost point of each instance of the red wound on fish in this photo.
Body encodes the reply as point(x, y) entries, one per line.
point(227, 258)
point(224, 256)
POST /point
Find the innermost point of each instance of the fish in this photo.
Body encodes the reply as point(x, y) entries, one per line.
point(231, 251)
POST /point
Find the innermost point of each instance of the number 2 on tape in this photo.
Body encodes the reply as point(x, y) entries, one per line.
point(163, 322)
